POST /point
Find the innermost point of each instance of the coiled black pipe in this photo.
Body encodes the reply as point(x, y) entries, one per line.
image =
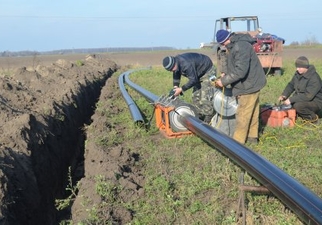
point(303, 202)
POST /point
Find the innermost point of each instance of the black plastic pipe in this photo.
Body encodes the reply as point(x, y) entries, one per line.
point(135, 112)
point(148, 95)
point(303, 202)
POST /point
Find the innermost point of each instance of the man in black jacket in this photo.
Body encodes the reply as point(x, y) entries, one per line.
point(306, 87)
point(246, 76)
point(198, 68)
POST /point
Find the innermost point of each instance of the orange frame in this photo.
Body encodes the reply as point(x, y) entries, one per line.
point(163, 122)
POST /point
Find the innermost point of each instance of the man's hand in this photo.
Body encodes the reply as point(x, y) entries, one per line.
point(287, 102)
point(281, 98)
point(218, 83)
point(177, 91)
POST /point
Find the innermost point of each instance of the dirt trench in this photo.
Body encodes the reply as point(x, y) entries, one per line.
point(43, 114)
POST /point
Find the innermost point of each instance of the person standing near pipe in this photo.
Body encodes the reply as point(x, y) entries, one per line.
point(246, 76)
point(198, 68)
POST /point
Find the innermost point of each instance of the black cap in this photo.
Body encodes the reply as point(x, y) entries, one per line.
point(169, 62)
point(302, 62)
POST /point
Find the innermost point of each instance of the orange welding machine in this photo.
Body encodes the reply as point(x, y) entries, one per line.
point(278, 115)
point(168, 111)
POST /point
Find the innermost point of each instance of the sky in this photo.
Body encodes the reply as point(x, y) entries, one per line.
point(39, 25)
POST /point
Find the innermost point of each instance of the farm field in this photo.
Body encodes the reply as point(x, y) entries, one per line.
point(138, 58)
point(64, 117)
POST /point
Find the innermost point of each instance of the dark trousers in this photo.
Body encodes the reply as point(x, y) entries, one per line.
point(307, 110)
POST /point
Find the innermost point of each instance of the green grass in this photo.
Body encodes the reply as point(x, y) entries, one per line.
point(189, 182)
point(195, 172)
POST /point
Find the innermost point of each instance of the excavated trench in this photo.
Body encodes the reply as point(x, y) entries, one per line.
point(42, 136)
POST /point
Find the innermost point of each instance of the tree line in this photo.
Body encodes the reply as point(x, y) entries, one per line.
point(83, 51)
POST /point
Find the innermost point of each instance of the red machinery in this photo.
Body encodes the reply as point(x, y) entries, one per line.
point(268, 47)
point(264, 44)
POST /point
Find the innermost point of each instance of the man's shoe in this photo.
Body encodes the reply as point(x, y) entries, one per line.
point(315, 121)
point(251, 140)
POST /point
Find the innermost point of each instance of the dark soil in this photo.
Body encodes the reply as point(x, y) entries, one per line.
point(46, 104)
point(43, 112)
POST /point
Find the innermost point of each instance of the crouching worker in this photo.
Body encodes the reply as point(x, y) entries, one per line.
point(306, 90)
point(198, 68)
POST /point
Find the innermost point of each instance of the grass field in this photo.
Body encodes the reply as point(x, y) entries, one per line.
point(190, 183)
point(186, 181)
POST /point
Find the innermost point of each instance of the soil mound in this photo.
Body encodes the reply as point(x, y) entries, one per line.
point(43, 112)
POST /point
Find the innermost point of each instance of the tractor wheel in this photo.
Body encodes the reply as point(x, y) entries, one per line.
point(277, 72)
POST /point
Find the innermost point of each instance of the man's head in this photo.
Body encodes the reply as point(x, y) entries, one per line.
point(169, 63)
point(302, 64)
point(222, 36)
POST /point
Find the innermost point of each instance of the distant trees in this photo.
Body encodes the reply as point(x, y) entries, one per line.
point(84, 50)
point(21, 53)
point(308, 42)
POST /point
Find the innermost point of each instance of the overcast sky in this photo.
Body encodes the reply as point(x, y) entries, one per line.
point(40, 25)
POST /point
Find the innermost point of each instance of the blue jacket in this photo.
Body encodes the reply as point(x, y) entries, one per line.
point(193, 66)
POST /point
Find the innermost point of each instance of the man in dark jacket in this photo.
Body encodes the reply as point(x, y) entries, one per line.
point(246, 76)
point(198, 68)
point(306, 87)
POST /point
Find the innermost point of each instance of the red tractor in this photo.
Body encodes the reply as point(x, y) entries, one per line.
point(268, 47)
